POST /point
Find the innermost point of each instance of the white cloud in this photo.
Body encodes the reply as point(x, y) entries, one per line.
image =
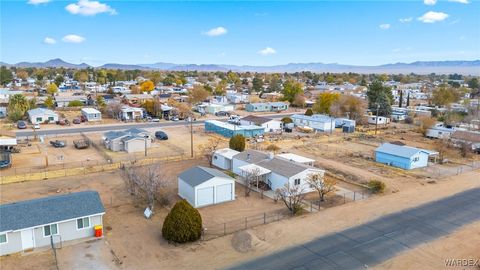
point(37, 2)
point(49, 40)
point(73, 38)
point(384, 26)
point(214, 32)
point(90, 8)
point(406, 20)
point(460, 1)
point(267, 51)
point(430, 2)
point(432, 16)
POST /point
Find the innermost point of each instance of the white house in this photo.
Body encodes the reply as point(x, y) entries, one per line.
point(91, 114)
point(222, 158)
point(41, 115)
point(130, 140)
point(439, 131)
point(382, 120)
point(297, 159)
point(32, 224)
point(276, 172)
point(270, 125)
point(202, 186)
point(317, 122)
point(131, 113)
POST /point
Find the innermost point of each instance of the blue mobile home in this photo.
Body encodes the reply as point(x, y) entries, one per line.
point(229, 130)
point(317, 121)
point(266, 107)
point(404, 157)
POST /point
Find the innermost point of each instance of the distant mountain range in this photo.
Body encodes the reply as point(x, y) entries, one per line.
point(419, 67)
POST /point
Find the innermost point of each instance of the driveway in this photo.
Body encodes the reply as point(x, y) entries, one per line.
point(369, 244)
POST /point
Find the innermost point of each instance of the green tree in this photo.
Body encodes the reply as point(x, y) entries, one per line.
point(381, 95)
point(237, 143)
point(52, 89)
point(183, 224)
point(473, 83)
point(274, 85)
point(445, 95)
point(286, 120)
point(6, 75)
point(325, 101)
point(18, 105)
point(291, 88)
point(257, 84)
point(81, 76)
point(100, 101)
point(59, 80)
point(49, 102)
point(309, 112)
point(198, 94)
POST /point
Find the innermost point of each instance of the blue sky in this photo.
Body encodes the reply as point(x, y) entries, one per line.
point(240, 32)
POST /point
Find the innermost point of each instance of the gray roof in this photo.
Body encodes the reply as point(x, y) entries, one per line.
point(256, 119)
point(131, 132)
point(199, 174)
point(400, 151)
point(37, 212)
point(283, 167)
point(251, 156)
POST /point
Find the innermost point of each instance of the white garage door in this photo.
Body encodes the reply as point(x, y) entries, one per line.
point(224, 193)
point(204, 196)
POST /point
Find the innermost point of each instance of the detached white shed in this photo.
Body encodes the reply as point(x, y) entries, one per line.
point(222, 158)
point(202, 186)
point(91, 114)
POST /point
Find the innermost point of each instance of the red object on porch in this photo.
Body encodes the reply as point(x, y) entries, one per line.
point(98, 231)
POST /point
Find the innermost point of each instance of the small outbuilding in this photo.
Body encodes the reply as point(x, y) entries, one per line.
point(223, 158)
point(202, 186)
point(36, 223)
point(404, 157)
point(91, 114)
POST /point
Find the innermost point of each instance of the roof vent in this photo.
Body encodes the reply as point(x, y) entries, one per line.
point(248, 157)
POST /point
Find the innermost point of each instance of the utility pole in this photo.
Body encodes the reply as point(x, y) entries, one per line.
point(191, 136)
point(376, 119)
point(145, 144)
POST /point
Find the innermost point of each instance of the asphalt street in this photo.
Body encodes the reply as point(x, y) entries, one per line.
point(371, 243)
point(97, 128)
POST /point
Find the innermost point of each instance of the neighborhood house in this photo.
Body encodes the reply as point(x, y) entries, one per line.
point(229, 130)
point(268, 124)
point(266, 107)
point(275, 172)
point(130, 140)
point(41, 115)
point(317, 122)
point(222, 158)
point(36, 223)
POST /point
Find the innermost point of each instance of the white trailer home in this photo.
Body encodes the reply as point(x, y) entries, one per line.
point(223, 158)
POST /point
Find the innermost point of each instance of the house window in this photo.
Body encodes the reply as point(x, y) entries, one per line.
point(297, 182)
point(50, 230)
point(3, 238)
point(50, 118)
point(83, 223)
point(416, 159)
point(215, 157)
point(39, 119)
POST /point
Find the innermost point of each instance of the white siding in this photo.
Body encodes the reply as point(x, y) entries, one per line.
point(221, 162)
point(186, 192)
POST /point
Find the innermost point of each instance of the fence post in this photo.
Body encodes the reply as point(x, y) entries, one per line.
point(344, 201)
point(311, 207)
point(264, 218)
point(354, 193)
point(224, 228)
point(245, 223)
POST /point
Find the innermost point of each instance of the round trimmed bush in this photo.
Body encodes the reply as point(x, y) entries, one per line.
point(376, 186)
point(287, 120)
point(309, 112)
point(237, 142)
point(183, 224)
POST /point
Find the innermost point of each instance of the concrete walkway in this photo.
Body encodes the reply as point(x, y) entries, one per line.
point(371, 243)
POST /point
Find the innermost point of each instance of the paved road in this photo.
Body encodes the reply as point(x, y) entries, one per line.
point(376, 241)
point(66, 130)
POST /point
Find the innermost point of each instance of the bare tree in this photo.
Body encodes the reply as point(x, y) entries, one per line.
point(145, 183)
point(273, 147)
point(113, 110)
point(321, 184)
point(251, 177)
point(292, 196)
point(208, 149)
